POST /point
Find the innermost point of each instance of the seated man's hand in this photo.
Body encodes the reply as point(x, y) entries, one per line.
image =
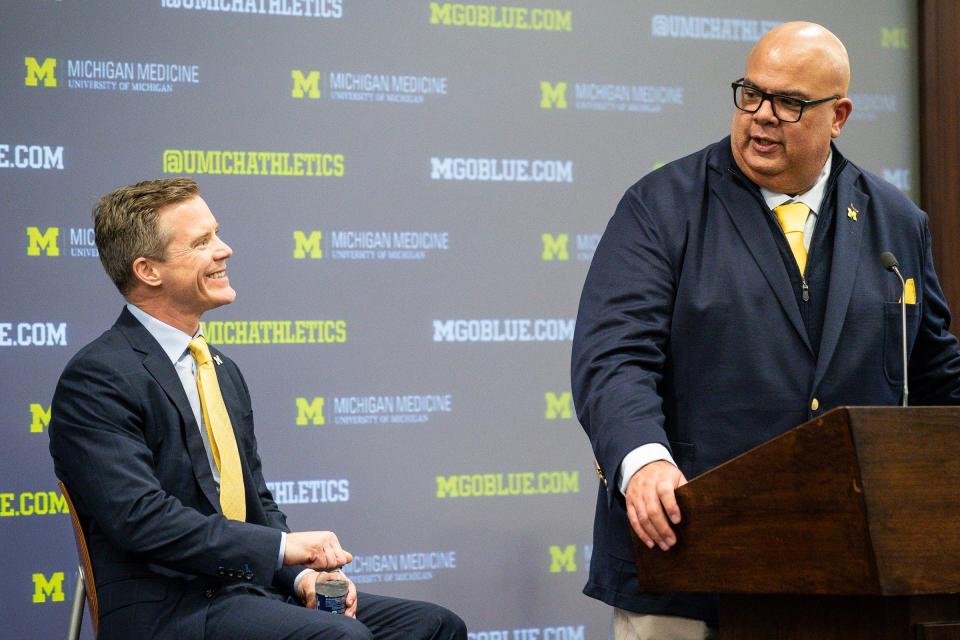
point(307, 590)
point(315, 549)
point(651, 500)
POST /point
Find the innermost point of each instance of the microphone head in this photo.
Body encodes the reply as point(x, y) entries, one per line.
point(889, 261)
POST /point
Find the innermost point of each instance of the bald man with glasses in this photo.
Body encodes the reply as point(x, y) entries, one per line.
point(735, 294)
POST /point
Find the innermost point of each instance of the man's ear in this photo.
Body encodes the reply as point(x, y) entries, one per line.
point(841, 112)
point(145, 270)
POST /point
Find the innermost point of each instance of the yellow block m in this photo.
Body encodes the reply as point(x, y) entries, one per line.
point(37, 72)
point(893, 38)
point(304, 245)
point(559, 406)
point(310, 412)
point(305, 85)
point(44, 588)
point(46, 241)
point(40, 418)
point(563, 559)
point(553, 96)
point(555, 247)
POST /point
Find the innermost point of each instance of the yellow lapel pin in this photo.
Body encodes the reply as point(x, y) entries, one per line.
point(852, 212)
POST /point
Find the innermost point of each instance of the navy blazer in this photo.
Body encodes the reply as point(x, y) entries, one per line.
point(125, 443)
point(689, 333)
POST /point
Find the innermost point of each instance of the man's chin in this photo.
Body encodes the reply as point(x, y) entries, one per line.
point(760, 168)
point(222, 298)
point(764, 163)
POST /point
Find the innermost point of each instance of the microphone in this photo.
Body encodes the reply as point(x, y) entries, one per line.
point(890, 263)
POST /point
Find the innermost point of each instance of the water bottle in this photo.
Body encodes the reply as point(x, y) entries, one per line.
point(331, 594)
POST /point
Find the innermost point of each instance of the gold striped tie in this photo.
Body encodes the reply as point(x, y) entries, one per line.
point(793, 217)
point(223, 442)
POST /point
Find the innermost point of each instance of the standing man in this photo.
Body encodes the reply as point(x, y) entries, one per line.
point(152, 433)
point(737, 293)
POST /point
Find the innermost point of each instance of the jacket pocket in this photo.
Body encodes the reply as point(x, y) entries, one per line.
point(892, 341)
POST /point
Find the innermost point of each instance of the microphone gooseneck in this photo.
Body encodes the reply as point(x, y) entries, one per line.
point(890, 263)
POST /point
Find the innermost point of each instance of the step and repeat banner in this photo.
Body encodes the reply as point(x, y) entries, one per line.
point(413, 191)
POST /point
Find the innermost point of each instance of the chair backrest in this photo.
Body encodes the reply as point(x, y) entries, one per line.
point(84, 554)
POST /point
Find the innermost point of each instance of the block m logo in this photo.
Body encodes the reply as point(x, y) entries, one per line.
point(893, 38)
point(51, 588)
point(564, 559)
point(553, 96)
point(39, 418)
point(305, 85)
point(555, 247)
point(559, 406)
point(310, 412)
point(46, 241)
point(37, 72)
point(307, 245)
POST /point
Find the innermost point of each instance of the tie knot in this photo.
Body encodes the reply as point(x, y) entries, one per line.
point(792, 216)
point(199, 350)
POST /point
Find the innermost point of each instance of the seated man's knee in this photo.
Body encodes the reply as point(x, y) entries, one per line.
point(342, 629)
point(449, 626)
point(357, 632)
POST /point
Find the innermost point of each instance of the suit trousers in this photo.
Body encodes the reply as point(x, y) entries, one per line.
point(254, 616)
point(628, 625)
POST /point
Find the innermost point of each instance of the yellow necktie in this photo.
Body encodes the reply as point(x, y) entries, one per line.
point(793, 217)
point(223, 442)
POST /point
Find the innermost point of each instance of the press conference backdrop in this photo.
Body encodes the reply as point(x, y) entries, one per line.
point(413, 191)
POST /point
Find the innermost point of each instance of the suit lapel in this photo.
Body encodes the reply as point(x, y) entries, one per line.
point(747, 216)
point(161, 369)
point(851, 216)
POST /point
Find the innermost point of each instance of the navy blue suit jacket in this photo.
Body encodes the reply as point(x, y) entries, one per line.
point(689, 332)
point(125, 443)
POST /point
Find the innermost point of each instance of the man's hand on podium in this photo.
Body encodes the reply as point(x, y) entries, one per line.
point(651, 501)
point(315, 549)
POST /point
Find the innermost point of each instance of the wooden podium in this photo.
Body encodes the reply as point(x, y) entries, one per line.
point(846, 527)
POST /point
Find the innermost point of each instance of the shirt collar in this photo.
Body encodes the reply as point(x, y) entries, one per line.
point(173, 341)
point(812, 197)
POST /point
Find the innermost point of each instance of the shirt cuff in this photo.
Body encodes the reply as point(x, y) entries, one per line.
point(296, 581)
point(641, 457)
point(283, 548)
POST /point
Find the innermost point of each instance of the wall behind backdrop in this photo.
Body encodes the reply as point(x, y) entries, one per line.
point(413, 191)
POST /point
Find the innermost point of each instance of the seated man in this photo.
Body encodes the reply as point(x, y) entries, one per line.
point(153, 436)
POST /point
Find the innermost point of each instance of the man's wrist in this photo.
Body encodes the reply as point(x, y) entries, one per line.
point(639, 458)
point(296, 583)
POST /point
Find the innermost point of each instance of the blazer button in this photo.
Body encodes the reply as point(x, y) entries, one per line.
point(209, 593)
point(221, 571)
point(814, 405)
point(248, 575)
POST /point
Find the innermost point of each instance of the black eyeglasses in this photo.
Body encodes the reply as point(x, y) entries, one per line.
point(785, 108)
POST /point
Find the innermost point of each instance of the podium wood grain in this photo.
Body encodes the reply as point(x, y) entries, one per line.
point(849, 521)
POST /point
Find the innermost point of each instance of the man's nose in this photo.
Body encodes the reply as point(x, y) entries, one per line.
point(223, 250)
point(765, 113)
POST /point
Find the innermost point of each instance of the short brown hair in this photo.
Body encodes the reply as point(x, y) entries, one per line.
point(126, 225)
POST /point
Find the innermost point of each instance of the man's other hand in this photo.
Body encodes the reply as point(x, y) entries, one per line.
point(652, 505)
point(315, 549)
point(307, 590)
